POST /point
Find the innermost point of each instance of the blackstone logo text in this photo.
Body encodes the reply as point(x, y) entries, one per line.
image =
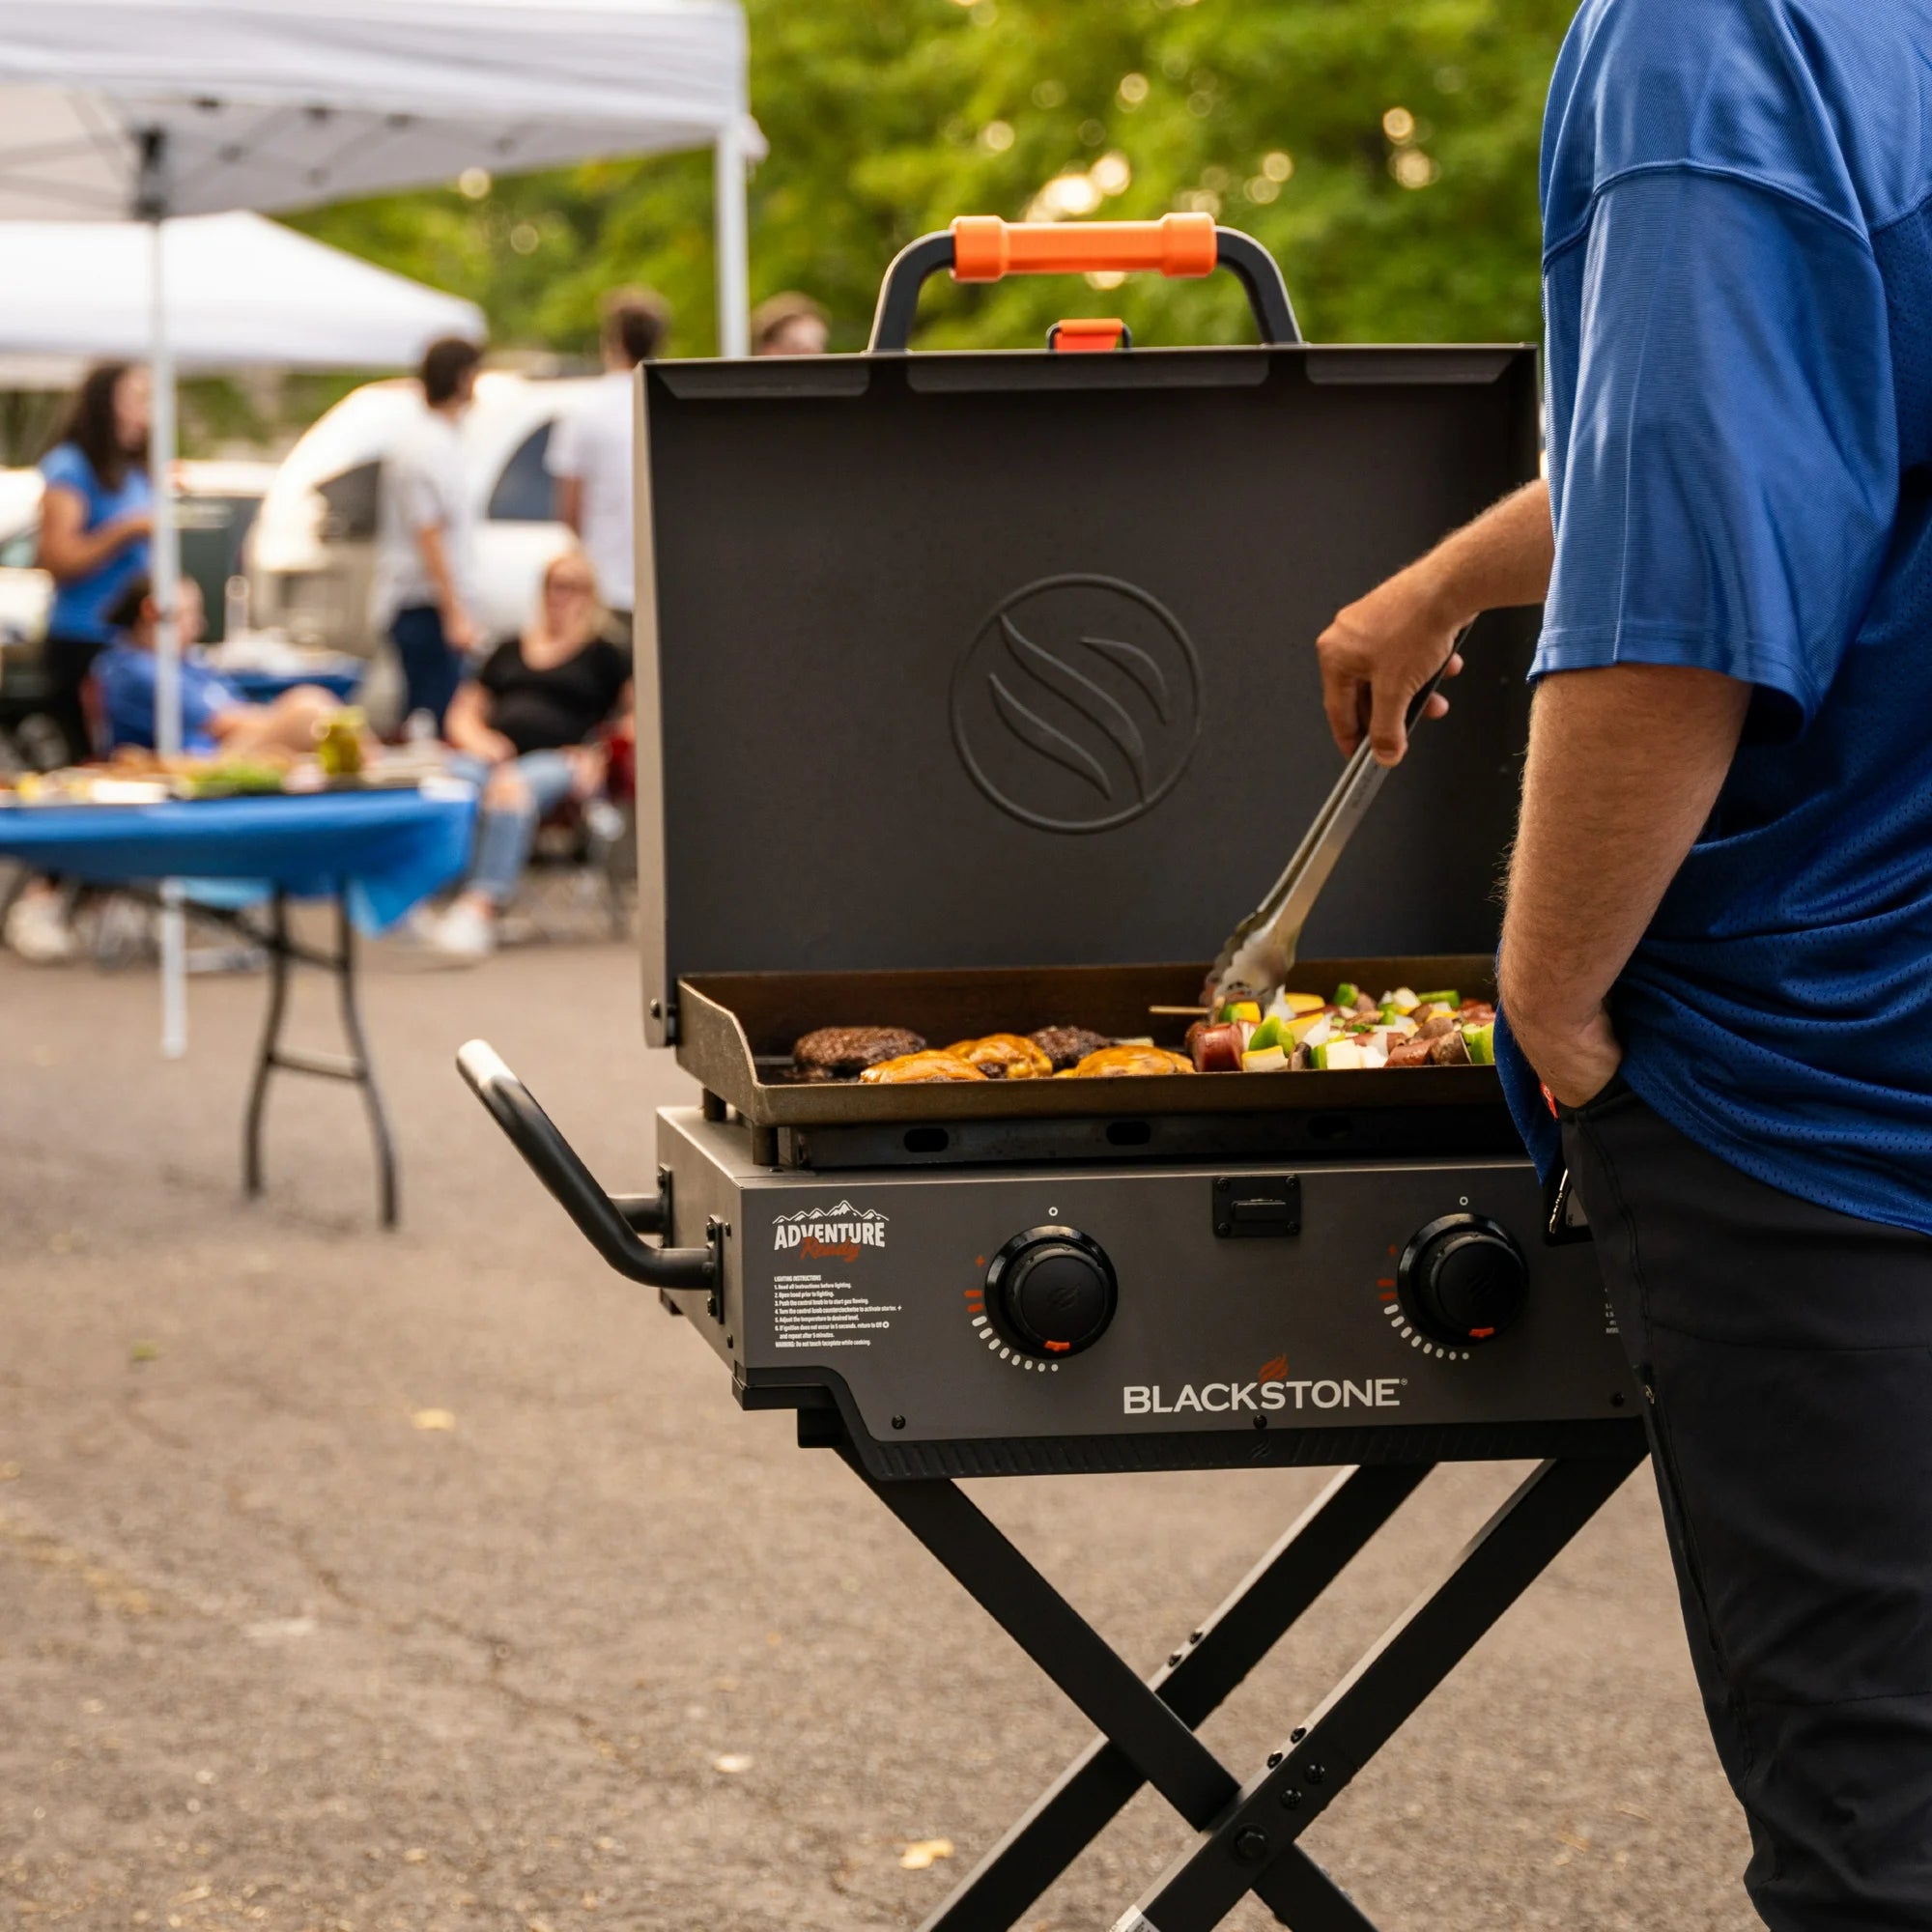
point(841, 1231)
point(1231, 1398)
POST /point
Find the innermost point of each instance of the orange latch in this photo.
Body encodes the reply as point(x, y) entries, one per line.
point(1087, 334)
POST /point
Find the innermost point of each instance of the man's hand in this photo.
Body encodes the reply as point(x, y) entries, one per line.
point(1383, 648)
point(1575, 1063)
point(458, 629)
point(1378, 654)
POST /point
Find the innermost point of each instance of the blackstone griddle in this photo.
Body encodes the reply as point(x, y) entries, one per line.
point(971, 689)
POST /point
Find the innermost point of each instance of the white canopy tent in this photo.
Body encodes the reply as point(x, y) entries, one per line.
point(244, 291)
point(111, 110)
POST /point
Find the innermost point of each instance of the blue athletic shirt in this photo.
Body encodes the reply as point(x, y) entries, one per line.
point(81, 608)
point(126, 674)
point(1737, 203)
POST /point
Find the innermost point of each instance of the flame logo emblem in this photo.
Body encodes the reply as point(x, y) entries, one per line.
point(1077, 704)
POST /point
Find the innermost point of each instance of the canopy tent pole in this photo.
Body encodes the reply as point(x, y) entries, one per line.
point(734, 275)
point(165, 572)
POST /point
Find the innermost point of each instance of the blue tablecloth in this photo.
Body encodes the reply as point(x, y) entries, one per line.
point(387, 850)
point(264, 687)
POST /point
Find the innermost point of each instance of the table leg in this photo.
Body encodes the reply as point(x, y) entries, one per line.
point(355, 1065)
point(276, 940)
point(365, 1066)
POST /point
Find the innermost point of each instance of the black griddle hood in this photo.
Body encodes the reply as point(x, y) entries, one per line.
point(948, 662)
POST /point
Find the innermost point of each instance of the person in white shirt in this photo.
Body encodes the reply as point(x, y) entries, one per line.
point(420, 587)
point(590, 452)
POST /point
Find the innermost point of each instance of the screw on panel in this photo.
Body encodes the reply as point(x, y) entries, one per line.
point(899, 1422)
point(1313, 1773)
point(1291, 1800)
point(1274, 1759)
point(1295, 1736)
point(1251, 1846)
point(1174, 1660)
point(1195, 1637)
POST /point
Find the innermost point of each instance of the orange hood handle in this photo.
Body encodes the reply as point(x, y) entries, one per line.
point(984, 249)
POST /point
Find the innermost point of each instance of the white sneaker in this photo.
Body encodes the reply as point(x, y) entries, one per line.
point(38, 929)
point(462, 933)
point(418, 926)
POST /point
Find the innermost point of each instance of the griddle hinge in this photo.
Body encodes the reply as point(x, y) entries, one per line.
point(665, 1011)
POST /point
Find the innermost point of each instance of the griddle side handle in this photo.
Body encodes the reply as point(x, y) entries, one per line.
point(1241, 255)
point(602, 1222)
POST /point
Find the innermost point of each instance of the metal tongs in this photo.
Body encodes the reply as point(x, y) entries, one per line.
point(1259, 953)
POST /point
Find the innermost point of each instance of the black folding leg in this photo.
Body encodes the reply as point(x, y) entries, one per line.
point(1215, 1659)
point(1247, 1837)
point(285, 952)
point(1154, 1740)
point(1243, 1850)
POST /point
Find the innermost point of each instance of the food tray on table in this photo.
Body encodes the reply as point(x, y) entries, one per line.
point(200, 780)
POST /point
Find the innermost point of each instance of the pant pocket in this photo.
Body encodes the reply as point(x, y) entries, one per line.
point(1614, 1090)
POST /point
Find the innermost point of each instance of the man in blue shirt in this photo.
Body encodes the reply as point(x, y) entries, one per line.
point(214, 716)
point(1717, 960)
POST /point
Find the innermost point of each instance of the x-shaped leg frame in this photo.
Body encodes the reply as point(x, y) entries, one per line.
point(1246, 1834)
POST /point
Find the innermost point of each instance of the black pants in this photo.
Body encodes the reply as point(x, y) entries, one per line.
point(1785, 1353)
point(430, 669)
point(66, 662)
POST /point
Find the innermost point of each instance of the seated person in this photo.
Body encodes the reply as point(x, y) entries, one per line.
point(213, 716)
point(522, 728)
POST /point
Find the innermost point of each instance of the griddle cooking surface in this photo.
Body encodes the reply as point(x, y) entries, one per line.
point(737, 1028)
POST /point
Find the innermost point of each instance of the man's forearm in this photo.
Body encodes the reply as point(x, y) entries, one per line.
point(1384, 648)
point(436, 565)
point(1625, 764)
point(1501, 560)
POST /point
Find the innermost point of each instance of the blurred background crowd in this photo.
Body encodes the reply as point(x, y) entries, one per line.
point(451, 549)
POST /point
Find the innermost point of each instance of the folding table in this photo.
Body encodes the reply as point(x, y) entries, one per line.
point(372, 854)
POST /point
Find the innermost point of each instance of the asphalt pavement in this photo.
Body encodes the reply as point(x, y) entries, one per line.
point(353, 1582)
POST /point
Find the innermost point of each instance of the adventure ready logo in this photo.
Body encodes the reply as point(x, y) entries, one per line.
point(1271, 1391)
point(822, 1232)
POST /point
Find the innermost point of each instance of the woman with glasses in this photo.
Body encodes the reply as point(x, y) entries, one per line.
point(526, 728)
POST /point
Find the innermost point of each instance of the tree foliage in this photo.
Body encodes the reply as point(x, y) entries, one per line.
point(1384, 150)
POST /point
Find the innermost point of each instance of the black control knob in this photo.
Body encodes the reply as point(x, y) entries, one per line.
point(1463, 1280)
point(1051, 1292)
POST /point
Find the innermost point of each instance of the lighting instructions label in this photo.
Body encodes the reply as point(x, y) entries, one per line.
point(810, 1311)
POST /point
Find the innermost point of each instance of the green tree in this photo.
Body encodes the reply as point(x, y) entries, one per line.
point(1384, 150)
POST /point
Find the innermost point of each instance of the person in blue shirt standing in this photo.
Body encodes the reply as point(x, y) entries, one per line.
point(1716, 958)
point(96, 519)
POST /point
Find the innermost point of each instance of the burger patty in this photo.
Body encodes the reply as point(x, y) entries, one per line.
point(1068, 1045)
point(845, 1050)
